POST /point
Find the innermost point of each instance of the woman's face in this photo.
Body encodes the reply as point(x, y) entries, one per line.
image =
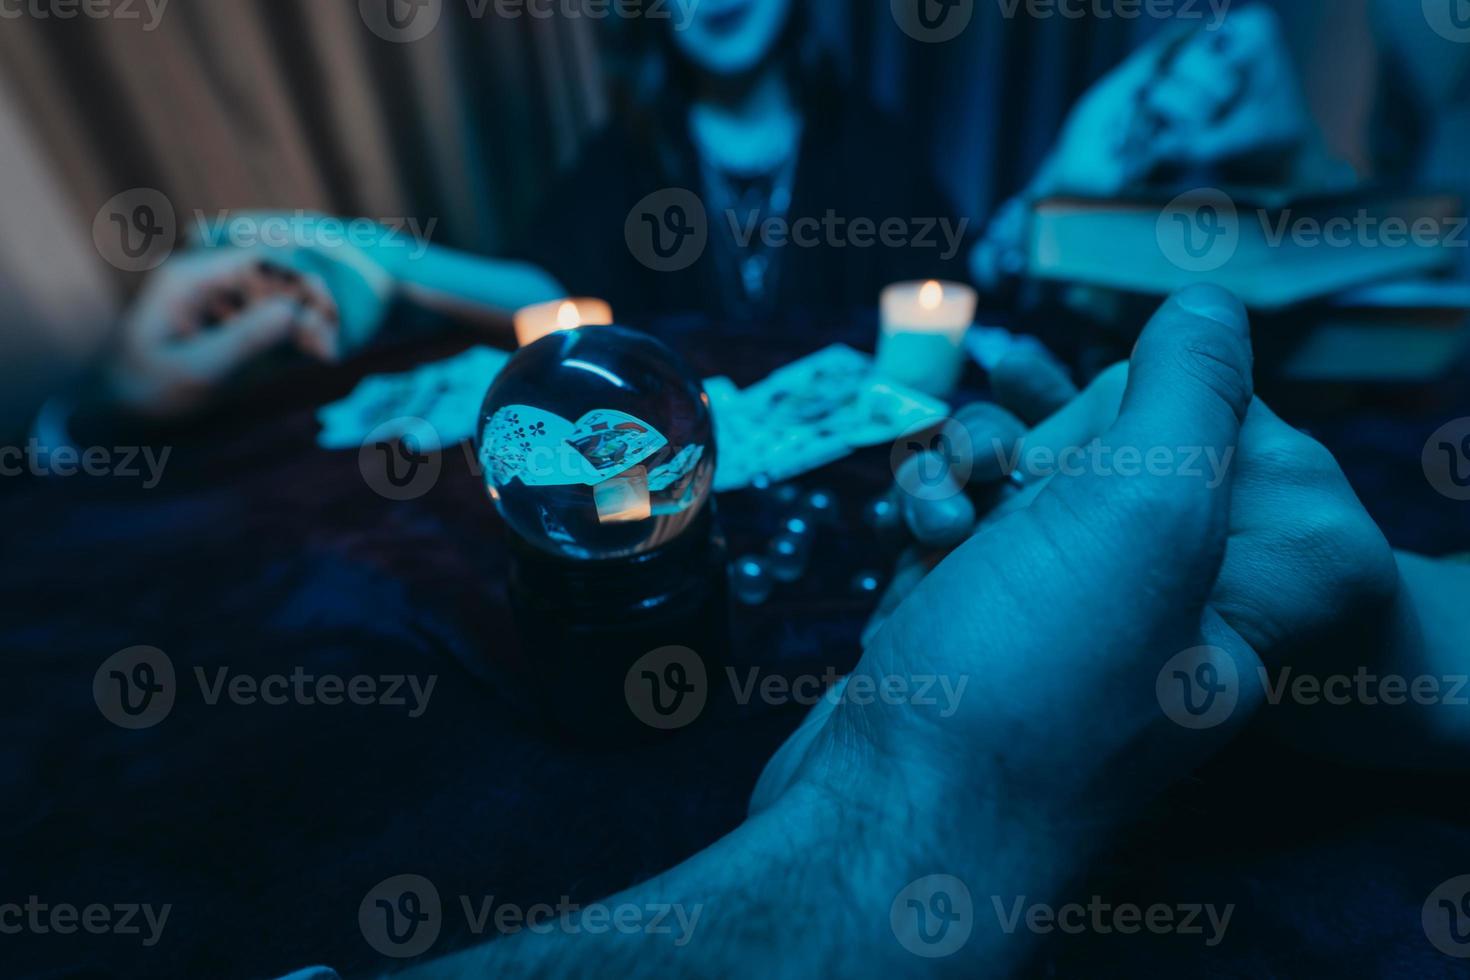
point(728, 37)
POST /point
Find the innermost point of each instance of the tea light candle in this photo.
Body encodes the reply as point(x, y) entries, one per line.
point(544, 319)
point(921, 339)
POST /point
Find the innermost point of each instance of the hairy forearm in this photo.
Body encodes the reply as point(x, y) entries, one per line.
point(806, 888)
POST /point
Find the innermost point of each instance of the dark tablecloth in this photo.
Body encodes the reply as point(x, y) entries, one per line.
point(264, 827)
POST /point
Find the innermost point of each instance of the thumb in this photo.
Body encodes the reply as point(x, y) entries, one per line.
point(1155, 501)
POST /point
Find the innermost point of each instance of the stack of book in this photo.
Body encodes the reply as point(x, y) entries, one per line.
point(1369, 273)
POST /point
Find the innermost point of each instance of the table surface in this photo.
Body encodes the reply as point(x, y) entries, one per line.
point(264, 827)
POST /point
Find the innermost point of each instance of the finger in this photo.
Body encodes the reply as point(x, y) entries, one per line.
point(320, 332)
point(1189, 389)
point(993, 436)
point(177, 297)
point(1032, 383)
point(1075, 426)
point(213, 355)
point(936, 519)
point(1190, 380)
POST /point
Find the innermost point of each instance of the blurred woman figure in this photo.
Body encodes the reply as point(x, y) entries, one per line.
point(801, 194)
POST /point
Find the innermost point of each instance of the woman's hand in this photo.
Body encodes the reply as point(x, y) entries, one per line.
point(204, 316)
point(1187, 101)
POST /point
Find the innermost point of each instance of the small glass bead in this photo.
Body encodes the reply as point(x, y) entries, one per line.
point(751, 580)
point(788, 557)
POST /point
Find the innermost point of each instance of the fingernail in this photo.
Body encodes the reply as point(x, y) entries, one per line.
point(1212, 303)
point(938, 521)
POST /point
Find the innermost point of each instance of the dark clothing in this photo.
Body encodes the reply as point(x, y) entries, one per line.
point(852, 165)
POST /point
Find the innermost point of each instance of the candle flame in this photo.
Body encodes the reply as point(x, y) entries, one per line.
point(931, 295)
point(568, 317)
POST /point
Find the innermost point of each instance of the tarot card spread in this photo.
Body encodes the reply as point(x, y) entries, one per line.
point(808, 414)
point(802, 417)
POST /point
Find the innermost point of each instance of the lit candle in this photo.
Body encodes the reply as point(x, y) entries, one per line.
point(921, 339)
point(544, 319)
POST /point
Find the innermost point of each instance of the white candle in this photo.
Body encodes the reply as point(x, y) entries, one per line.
point(544, 319)
point(921, 337)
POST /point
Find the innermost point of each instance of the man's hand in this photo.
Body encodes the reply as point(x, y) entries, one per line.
point(203, 316)
point(1308, 581)
point(1061, 618)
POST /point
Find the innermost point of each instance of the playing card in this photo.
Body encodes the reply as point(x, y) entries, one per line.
point(886, 411)
point(543, 449)
point(446, 395)
point(809, 414)
point(612, 442)
point(809, 390)
point(532, 444)
point(675, 470)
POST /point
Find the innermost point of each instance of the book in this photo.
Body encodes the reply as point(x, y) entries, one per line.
point(1271, 248)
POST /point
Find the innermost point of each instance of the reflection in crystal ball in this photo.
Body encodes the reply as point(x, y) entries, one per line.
point(597, 444)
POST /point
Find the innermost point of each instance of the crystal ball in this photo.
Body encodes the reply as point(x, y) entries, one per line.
point(597, 444)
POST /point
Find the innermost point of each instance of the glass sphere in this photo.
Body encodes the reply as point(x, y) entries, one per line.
point(597, 444)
